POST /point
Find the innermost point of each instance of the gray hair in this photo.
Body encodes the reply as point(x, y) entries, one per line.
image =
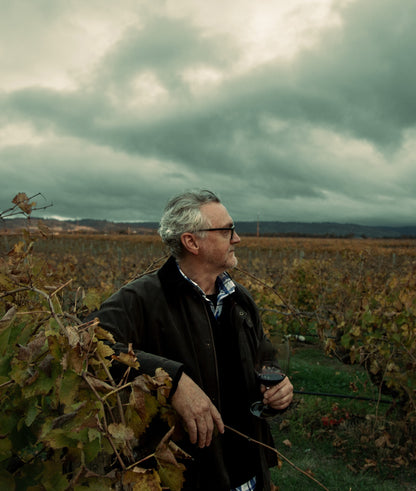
point(183, 214)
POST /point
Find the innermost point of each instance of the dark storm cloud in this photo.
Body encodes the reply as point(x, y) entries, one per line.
point(366, 70)
point(330, 131)
point(165, 47)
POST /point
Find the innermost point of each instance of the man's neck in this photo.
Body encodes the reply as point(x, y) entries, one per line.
point(204, 279)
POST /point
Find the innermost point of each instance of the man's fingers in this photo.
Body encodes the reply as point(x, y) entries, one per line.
point(279, 396)
point(210, 428)
point(216, 416)
point(203, 427)
point(198, 412)
point(192, 430)
point(202, 432)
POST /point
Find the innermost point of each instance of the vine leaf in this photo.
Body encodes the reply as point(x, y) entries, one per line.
point(65, 423)
point(142, 401)
point(170, 470)
point(128, 359)
point(8, 316)
point(120, 432)
point(139, 479)
point(22, 201)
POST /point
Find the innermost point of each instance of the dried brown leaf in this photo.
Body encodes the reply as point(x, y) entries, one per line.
point(369, 463)
point(401, 461)
point(170, 470)
point(99, 384)
point(22, 201)
point(8, 316)
point(33, 349)
point(72, 335)
point(43, 229)
point(128, 359)
point(120, 432)
point(384, 441)
point(74, 359)
point(163, 453)
point(104, 350)
point(141, 400)
point(103, 334)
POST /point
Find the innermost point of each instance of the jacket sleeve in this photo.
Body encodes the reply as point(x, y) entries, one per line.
point(124, 316)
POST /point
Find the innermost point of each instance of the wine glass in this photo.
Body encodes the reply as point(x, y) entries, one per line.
point(268, 373)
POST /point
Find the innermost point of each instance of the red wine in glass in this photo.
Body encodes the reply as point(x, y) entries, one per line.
point(268, 373)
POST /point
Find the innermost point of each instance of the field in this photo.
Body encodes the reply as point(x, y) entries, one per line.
point(347, 307)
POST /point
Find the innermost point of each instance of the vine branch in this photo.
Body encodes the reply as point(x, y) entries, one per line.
point(280, 455)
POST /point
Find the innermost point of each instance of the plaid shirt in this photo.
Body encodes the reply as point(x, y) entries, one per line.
point(248, 486)
point(225, 287)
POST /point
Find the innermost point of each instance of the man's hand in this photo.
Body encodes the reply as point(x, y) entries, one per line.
point(279, 396)
point(197, 411)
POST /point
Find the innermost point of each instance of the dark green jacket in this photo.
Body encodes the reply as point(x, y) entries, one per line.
point(169, 325)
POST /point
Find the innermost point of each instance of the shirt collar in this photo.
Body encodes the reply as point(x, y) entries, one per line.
point(225, 286)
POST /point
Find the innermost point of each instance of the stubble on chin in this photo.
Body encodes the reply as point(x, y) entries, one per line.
point(234, 262)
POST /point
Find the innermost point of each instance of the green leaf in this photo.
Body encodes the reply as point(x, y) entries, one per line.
point(141, 480)
point(92, 449)
point(5, 450)
point(96, 483)
point(9, 419)
point(31, 413)
point(92, 299)
point(69, 387)
point(172, 476)
point(4, 367)
point(53, 478)
point(346, 340)
point(5, 340)
point(42, 384)
point(135, 421)
point(58, 438)
point(7, 481)
point(397, 338)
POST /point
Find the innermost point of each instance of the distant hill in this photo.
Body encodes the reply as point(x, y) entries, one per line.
point(86, 226)
point(325, 229)
point(316, 229)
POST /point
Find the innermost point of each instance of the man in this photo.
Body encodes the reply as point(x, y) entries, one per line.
point(191, 319)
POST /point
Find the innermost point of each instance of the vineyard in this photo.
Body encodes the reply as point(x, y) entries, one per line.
point(61, 411)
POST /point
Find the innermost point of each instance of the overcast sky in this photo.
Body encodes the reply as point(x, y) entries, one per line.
point(300, 110)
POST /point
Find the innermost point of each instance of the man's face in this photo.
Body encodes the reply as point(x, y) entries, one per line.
point(217, 247)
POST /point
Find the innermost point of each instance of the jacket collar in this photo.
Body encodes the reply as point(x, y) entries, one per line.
point(171, 276)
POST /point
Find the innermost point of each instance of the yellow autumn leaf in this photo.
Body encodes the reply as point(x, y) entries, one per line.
point(72, 335)
point(128, 359)
point(104, 350)
point(139, 479)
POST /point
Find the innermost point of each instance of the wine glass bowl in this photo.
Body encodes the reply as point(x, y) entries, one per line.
point(268, 373)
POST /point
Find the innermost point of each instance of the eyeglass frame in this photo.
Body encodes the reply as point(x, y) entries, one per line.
point(232, 228)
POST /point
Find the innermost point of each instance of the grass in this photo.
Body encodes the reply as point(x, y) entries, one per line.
point(346, 444)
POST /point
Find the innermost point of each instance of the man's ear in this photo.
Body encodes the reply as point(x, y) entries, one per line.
point(190, 243)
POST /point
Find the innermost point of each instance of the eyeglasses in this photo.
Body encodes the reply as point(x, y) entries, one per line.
point(232, 228)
